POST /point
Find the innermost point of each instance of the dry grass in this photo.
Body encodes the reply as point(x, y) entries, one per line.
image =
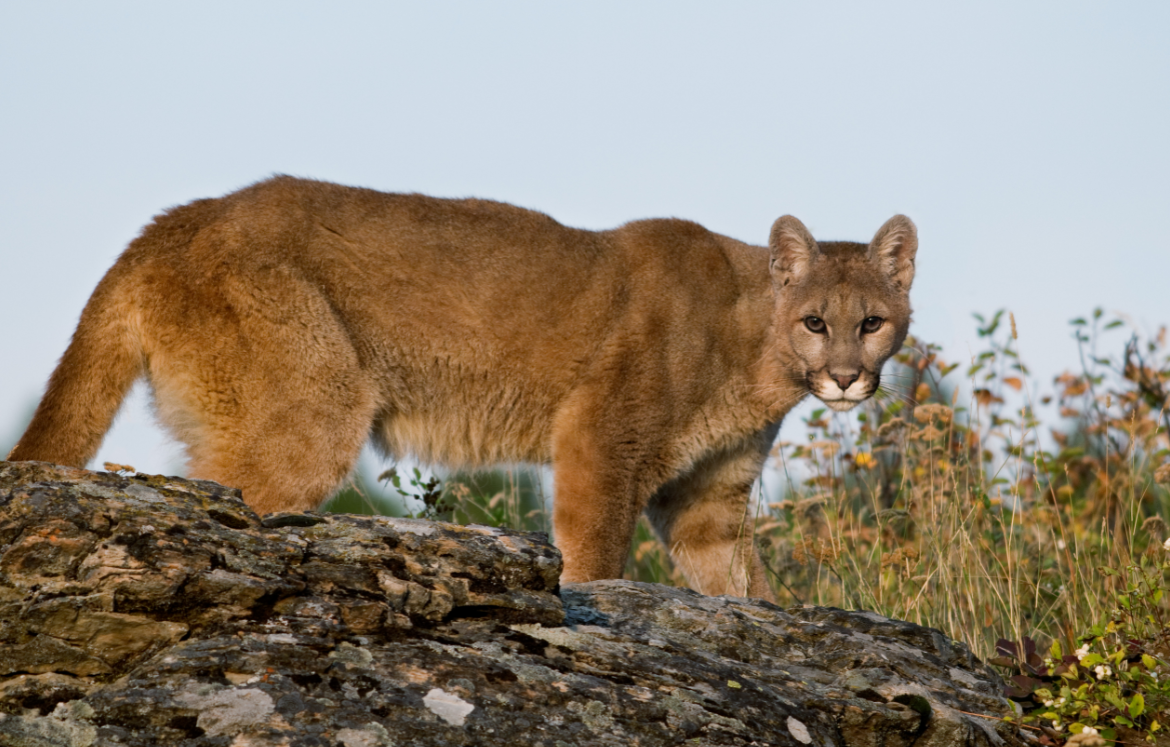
point(970, 515)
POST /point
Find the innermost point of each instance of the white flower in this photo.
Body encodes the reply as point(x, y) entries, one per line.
point(1049, 703)
point(1088, 730)
point(1060, 545)
point(1082, 652)
point(1102, 671)
point(1166, 544)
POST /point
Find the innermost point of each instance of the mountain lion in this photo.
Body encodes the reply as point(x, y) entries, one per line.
point(283, 325)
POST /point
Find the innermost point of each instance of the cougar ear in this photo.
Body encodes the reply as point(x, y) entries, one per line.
point(894, 247)
point(793, 250)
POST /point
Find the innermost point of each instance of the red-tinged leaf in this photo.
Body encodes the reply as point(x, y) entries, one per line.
point(1026, 683)
point(1015, 693)
point(985, 397)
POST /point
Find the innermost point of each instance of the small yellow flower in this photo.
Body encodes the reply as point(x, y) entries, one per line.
point(864, 460)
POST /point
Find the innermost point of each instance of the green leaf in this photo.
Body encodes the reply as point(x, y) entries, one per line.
point(1092, 660)
point(1149, 662)
point(1137, 706)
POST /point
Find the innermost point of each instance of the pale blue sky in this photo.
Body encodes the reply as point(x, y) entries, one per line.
point(1027, 140)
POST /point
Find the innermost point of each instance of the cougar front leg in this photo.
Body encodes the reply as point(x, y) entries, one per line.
point(705, 520)
point(604, 475)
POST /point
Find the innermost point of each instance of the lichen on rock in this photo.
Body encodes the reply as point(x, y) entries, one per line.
point(144, 610)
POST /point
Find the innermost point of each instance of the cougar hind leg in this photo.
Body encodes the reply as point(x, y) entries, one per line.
point(279, 408)
point(287, 453)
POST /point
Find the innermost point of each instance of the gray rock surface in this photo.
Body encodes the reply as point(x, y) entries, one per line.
point(147, 610)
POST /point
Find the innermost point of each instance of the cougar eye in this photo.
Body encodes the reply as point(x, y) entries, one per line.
point(872, 324)
point(815, 324)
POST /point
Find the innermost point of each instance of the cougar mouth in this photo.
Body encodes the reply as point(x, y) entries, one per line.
point(837, 399)
point(842, 404)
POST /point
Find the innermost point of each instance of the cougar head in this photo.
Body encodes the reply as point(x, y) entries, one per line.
point(843, 307)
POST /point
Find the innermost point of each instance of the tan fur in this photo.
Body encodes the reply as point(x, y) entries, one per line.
point(285, 324)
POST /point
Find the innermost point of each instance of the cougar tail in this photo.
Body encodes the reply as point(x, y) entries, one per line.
point(102, 362)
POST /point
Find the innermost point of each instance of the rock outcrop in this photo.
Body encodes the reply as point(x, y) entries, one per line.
point(147, 610)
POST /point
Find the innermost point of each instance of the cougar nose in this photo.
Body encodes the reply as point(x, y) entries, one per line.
point(844, 381)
